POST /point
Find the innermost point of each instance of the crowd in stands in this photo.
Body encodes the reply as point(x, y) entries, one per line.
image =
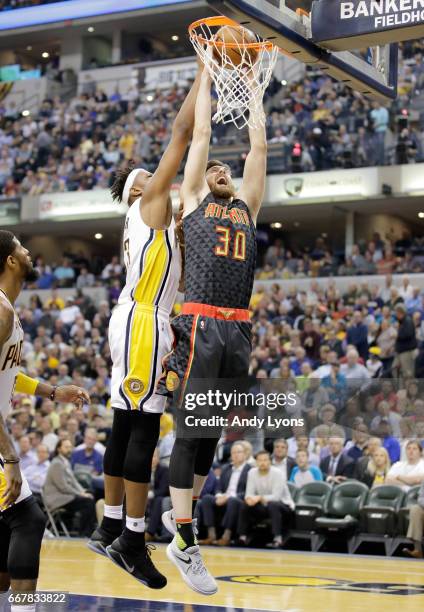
point(320, 124)
point(393, 255)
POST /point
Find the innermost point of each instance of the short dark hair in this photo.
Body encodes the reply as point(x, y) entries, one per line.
point(117, 189)
point(7, 246)
point(216, 162)
point(263, 452)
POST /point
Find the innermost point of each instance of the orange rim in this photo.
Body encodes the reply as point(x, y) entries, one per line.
point(224, 21)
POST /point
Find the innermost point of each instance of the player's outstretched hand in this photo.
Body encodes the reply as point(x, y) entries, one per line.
point(12, 473)
point(72, 393)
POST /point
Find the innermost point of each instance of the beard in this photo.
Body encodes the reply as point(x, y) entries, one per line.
point(224, 191)
point(31, 274)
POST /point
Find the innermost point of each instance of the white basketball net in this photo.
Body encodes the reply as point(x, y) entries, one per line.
point(240, 87)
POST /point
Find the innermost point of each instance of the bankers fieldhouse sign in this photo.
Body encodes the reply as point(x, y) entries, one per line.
point(343, 25)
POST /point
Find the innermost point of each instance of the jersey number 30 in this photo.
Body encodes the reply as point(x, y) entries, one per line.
point(230, 246)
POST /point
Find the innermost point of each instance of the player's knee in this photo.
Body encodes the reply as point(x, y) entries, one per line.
point(138, 461)
point(24, 550)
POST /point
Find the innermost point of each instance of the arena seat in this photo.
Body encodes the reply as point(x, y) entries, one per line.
point(294, 491)
point(311, 502)
point(379, 516)
point(410, 498)
point(343, 510)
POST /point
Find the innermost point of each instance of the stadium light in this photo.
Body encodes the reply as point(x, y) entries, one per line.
point(175, 37)
point(149, 98)
point(26, 113)
point(90, 29)
point(29, 48)
point(276, 225)
point(421, 215)
point(45, 54)
point(98, 236)
point(284, 82)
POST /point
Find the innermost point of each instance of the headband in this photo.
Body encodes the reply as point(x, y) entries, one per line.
point(128, 184)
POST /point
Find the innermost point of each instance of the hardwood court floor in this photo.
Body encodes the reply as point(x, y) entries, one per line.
point(248, 580)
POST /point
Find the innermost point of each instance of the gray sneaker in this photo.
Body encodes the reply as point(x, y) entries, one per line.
point(192, 569)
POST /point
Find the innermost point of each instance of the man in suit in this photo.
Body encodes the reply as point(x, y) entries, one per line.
point(62, 489)
point(281, 459)
point(232, 487)
point(337, 467)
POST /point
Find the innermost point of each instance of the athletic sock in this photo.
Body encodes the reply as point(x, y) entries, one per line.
point(133, 535)
point(111, 526)
point(194, 504)
point(112, 520)
point(185, 536)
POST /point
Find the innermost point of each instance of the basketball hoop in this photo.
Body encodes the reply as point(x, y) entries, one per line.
point(240, 64)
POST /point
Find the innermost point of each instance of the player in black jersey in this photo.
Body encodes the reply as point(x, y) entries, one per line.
point(213, 333)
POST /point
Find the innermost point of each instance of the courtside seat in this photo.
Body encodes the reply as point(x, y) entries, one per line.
point(294, 491)
point(379, 516)
point(311, 502)
point(343, 509)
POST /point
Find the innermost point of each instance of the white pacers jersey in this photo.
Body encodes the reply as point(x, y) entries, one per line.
point(140, 333)
point(10, 361)
point(153, 263)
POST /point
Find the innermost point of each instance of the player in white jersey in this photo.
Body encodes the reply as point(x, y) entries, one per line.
point(139, 337)
point(22, 522)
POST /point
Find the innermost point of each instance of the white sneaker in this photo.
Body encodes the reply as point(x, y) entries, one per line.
point(192, 568)
point(168, 520)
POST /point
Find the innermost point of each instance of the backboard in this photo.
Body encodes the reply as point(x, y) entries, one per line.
point(371, 70)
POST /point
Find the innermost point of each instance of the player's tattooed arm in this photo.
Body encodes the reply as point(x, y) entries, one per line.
point(195, 187)
point(6, 323)
point(154, 206)
point(7, 450)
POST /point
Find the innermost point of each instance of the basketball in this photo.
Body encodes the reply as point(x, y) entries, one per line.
point(228, 55)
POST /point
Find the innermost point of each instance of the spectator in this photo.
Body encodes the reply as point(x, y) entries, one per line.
point(337, 467)
point(267, 495)
point(62, 490)
point(408, 473)
point(50, 439)
point(356, 374)
point(377, 468)
point(303, 473)
point(281, 459)
point(36, 473)
point(357, 335)
point(85, 279)
point(406, 344)
point(27, 456)
point(380, 119)
point(224, 507)
point(86, 459)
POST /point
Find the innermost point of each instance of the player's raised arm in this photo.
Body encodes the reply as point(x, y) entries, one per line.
point(254, 176)
point(155, 197)
point(195, 187)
